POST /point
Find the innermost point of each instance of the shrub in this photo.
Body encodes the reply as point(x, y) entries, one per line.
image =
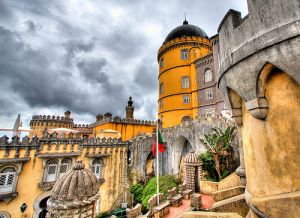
point(137, 191)
point(165, 183)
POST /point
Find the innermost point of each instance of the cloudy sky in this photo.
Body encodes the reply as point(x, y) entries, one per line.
point(88, 56)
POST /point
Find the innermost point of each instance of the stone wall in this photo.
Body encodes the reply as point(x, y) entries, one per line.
point(259, 77)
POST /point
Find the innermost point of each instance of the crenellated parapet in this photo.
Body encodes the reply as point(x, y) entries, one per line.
point(269, 39)
point(192, 41)
point(107, 118)
point(54, 139)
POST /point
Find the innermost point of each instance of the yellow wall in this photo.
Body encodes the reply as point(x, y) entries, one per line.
point(174, 68)
point(271, 148)
point(32, 173)
point(128, 131)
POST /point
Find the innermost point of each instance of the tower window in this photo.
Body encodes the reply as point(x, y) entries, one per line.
point(186, 99)
point(184, 54)
point(185, 82)
point(161, 63)
point(161, 88)
point(208, 76)
point(161, 104)
point(209, 94)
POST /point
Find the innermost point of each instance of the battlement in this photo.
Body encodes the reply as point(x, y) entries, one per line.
point(195, 40)
point(47, 118)
point(81, 126)
point(107, 118)
point(48, 138)
point(241, 38)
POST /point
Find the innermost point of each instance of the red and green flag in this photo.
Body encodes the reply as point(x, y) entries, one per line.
point(161, 146)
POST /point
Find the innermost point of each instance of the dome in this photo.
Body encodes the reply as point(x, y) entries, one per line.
point(78, 187)
point(192, 159)
point(186, 29)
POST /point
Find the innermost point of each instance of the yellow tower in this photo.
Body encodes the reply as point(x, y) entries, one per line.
point(178, 88)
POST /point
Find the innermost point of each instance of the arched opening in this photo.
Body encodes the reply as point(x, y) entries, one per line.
point(43, 206)
point(150, 167)
point(182, 147)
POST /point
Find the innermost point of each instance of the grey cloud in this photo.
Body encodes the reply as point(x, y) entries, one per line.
point(76, 46)
point(30, 76)
point(91, 70)
point(31, 26)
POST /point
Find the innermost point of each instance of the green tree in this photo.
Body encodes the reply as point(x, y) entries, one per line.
point(218, 144)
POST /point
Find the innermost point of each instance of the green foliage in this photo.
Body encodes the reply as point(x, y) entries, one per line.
point(137, 191)
point(103, 214)
point(218, 161)
point(208, 165)
point(142, 194)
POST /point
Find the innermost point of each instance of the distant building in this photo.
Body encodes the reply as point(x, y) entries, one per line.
point(188, 62)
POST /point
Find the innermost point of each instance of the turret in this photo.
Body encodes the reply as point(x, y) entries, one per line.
point(129, 109)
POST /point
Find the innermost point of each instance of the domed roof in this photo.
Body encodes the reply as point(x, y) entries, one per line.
point(186, 29)
point(78, 187)
point(192, 159)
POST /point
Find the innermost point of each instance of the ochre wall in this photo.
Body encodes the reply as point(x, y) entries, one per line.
point(271, 149)
point(128, 131)
point(174, 68)
point(32, 174)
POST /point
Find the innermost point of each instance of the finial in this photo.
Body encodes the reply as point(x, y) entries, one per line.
point(185, 21)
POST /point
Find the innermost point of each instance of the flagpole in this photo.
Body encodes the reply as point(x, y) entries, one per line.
point(157, 164)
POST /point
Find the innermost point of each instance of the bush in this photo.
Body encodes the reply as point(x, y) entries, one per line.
point(165, 183)
point(137, 191)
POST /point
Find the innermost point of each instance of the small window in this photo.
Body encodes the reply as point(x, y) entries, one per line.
point(96, 168)
point(161, 88)
point(161, 104)
point(184, 54)
point(186, 99)
point(51, 170)
point(7, 178)
point(64, 167)
point(209, 94)
point(161, 63)
point(185, 82)
point(208, 76)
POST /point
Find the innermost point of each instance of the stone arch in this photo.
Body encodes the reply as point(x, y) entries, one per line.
point(36, 205)
point(181, 148)
point(235, 101)
point(149, 166)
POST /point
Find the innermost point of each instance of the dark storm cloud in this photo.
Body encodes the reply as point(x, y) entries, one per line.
point(89, 56)
point(76, 46)
point(31, 77)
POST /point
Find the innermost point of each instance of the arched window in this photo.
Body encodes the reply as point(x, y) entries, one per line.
point(64, 167)
point(51, 170)
point(96, 168)
point(208, 75)
point(7, 179)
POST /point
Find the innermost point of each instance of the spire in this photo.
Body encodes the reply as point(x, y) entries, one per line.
point(185, 22)
point(129, 109)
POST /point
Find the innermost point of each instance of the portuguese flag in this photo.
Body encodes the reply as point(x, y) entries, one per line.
point(161, 146)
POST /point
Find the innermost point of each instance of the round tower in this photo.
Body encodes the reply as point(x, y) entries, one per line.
point(177, 75)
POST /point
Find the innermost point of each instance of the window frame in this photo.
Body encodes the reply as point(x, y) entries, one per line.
point(184, 54)
point(207, 78)
point(8, 188)
point(207, 91)
point(97, 164)
point(185, 82)
point(186, 97)
point(161, 88)
point(161, 104)
point(161, 62)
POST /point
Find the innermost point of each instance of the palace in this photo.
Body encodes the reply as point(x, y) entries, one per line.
point(250, 70)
